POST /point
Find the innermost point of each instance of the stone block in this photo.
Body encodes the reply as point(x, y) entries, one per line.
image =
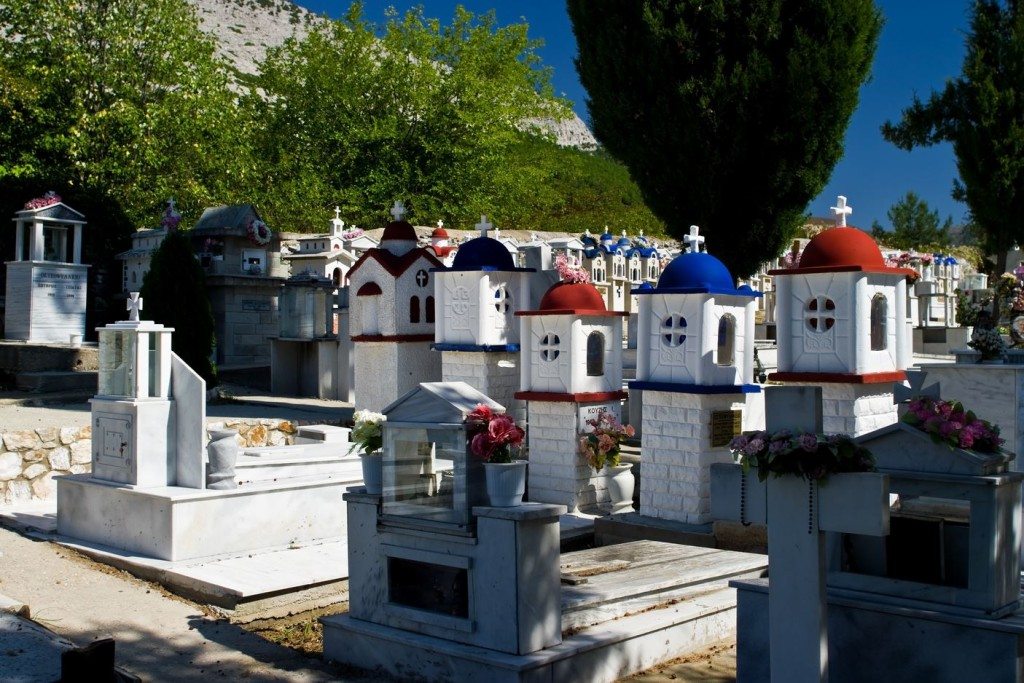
point(47, 433)
point(18, 491)
point(81, 452)
point(33, 471)
point(85, 432)
point(10, 466)
point(35, 455)
point(60, 459)
point(22, 440)
point(43, 487)
point(68, 435)
point(81, 469)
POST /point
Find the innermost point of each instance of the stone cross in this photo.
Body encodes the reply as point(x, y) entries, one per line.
point(916, 379)
point(483, 226)
point(133, 306)
point(841, 211)
point(398, 210)
point(798, 513)
point(694, 240)
point(440, 224)
point(337, 213)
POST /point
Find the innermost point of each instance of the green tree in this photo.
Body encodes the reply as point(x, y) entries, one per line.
point(982, 114)
point(119, 97)
point(174, 291)
point(359, 115)
point(913, 225)
point(730, 115)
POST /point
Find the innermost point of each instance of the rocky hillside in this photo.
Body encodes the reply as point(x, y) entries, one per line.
point(244, 29)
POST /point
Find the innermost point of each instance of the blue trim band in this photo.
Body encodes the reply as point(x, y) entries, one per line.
point(477, 348)
point(698, 290)
point(483, 269)
point(696, 388)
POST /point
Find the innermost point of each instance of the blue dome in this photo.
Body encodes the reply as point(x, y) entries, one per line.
point(950, 261)
point(483, 253)
point(625, 242)
point(696, 272)
point(645, 286)
point(607, 237)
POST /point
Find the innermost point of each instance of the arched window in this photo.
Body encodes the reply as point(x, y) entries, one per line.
point(502, 299)
point(820, 314)
point(595, 354)
point(336, 277)
point(549, 347)
point(414, 309)
point(673, 330)
point(879, 322)
point(430, 309)
point(726, 340)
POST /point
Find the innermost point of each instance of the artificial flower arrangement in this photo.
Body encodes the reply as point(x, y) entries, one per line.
point(493, 437)
point(988, 342)
point(48, 199)
point(352, 233)
point(570, 272)
point(259, 232)
point(603, 444)
point(810, 456)
point(170, 219)
point(368, 432)
point(948, 422)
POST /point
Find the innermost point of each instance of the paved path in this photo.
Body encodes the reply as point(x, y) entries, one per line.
point(159, 637)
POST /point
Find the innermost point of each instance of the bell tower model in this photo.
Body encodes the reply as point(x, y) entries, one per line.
point(571, 368)
point(476, 331)
point(695, 357)
point(842, 325)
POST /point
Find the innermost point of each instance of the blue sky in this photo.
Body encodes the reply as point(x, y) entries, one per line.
point(922, 46)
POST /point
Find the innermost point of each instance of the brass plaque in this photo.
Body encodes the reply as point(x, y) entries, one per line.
point(725, 424)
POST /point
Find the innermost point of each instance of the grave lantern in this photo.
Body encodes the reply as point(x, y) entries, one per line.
point(841, 316)
point(429, 476)
point(571, 368)
point(695, 363)
point(476, 331)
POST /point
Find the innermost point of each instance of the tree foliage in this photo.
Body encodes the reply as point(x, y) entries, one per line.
point(174, 293)
point(913, 225)
point(730, 115)
point(982, 114)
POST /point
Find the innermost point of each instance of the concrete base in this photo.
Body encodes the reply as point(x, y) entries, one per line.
point(634, 526)
point(879, 642)
point(174, 523)
point(940, 341)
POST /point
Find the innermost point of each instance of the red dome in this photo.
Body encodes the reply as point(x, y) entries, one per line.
point(439, 233)
point(842, 248)
point(572, 296)
point(399, 230)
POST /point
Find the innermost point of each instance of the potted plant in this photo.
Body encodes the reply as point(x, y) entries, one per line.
point(601, 447)
point(989, 343)
point(368, 439)
point(495, 439)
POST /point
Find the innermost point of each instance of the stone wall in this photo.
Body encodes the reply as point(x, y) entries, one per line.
point(557, 474)
point(29, 459)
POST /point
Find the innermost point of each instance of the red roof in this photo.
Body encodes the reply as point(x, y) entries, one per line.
point(842, 250)
point(399, 230)
point(439, 233)
point(441, 251)
point(573, 298)
point(396, 265)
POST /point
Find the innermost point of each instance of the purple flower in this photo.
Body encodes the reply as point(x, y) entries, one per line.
point(754, 446)
point(779, 446)
point(808, 442)
point(739, 443)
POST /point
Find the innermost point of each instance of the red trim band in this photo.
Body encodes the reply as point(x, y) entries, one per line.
point(839, 377)
point(583, 397)
point(577, 311)
point(884, 270)
point(393, 338)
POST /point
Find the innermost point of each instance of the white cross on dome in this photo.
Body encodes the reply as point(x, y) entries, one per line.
point(398, 210)
point(694, 239)
point(841, 211)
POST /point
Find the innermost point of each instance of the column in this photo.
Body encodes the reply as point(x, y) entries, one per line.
point(19, 239)
point(36, 242)
point(76, 257)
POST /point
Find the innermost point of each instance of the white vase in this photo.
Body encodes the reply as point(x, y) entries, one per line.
point(506, 483)
point(222, 453)
point(373, 473)
point(620, 483)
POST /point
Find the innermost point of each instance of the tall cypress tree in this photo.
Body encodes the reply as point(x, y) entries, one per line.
point(174, 293)
point(982, 114)
point(730, 115)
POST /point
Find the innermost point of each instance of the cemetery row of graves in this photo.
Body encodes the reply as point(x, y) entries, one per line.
point(496, 383)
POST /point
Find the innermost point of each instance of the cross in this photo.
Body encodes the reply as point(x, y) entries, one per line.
point(916, 379)
point(820, 314)
point(549, 346)
point(501, 299)
point(483, 226)
point(798, 513)
point(841, 211)
point(337, 213)
point(421, 278)
point(693, 239)
point(398, 210)
point(134, 305)
point(440, 224)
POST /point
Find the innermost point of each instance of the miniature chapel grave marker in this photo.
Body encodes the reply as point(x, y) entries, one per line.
point(798, 513)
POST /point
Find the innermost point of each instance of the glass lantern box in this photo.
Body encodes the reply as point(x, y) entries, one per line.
point(429, 477)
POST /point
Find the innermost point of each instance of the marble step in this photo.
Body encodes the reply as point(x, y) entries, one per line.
point(601, 584)
point(256, 469)
point(47, 381)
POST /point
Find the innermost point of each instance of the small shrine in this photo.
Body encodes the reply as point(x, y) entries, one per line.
point(476, 331)
point(571, 369)
point(46, 280)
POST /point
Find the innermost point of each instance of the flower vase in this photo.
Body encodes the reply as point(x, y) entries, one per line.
point(506, 483)
point(373, 472)
point(222, 452)
point(620, 482)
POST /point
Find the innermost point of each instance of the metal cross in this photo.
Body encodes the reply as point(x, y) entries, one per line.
point(841, 211)
point(398, 210)
point(694, 240)
point(483, 226)
point(917, 389)
point(134, 305)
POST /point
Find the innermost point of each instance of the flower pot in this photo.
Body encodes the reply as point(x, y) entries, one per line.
point(222, 452)
point(620, 482)
point(373, 471)
point(506, 482)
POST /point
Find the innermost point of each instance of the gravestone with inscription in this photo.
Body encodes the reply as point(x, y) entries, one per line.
point(47, 281)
